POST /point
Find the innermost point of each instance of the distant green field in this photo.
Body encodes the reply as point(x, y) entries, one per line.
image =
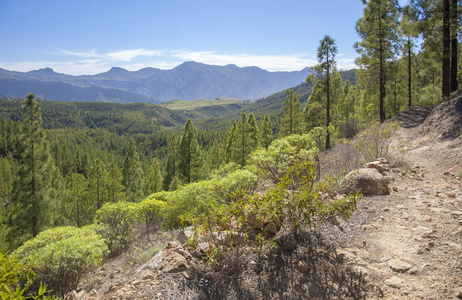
point(192, 105)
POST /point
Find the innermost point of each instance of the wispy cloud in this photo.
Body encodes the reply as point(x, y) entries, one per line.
point(124, 55)
point(128, 55)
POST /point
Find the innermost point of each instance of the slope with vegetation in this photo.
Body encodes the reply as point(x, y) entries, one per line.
point(255, 187)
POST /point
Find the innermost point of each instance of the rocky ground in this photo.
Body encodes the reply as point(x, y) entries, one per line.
point(409, 243)
point(406, 245)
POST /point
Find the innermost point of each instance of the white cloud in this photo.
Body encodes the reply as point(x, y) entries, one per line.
point(92, 62)
point(128, 55)
point(267, 62)
point(124, 55)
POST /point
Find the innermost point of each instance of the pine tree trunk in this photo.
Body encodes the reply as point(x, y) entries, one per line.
point(409, 80)
point(454, 46)
point(382, 78)
point(327, 103)
point(446, 76)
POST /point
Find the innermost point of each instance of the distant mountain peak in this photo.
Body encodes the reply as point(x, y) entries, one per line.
point(44, 71)
point(117, 71)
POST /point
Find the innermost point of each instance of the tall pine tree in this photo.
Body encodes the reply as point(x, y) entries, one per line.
point(378, 30)
point(32, 187)
point(154, 178)
point(171, 166)
point(133, 175)
point(326, 57)
point(266, 133)
point(190, 155)
point(292, 119)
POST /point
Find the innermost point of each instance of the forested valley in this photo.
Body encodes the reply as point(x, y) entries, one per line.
point(75, 178)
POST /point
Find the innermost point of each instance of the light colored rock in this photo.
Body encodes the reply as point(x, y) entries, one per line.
point(395, 282)
point(456, 213)
point(366, 181)
point(173, 259)
point(422, 230)
point(184, 235)
point(399, 266)
point(380, 165)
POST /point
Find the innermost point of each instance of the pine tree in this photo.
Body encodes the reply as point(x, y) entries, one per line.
point(154, 178)
point(171, 166)
point(115, 187)
point(98, 183)
point(292, 119)
point(326, 57)
point(32, 190)
point(379, 44)
point(190, 156)
point(454, 44)
point(266, 133)
point(76, 209)
point(216, 155)
point(252, 133)
point(409, 31)
point(133, 175)
point(231, 143)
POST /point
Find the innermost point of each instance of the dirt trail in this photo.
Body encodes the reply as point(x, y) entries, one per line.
point(410, 242)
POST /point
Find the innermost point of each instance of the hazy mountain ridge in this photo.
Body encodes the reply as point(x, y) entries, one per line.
point(188, 81)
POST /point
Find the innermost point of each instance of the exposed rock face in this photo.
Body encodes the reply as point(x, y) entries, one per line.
point(367, 181)
point(381, 165)
point(172, 259)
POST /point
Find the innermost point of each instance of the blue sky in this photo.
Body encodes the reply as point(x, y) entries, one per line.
point(89, 37)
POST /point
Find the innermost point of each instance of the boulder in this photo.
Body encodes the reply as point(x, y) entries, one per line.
point(173, 259)
point(367, 181)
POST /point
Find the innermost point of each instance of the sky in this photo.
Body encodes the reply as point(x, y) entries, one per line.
point(91, 36)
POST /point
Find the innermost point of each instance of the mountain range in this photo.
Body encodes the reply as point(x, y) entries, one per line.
point(188, 81)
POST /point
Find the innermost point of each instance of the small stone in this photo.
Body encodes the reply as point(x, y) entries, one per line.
point(456, 213)
point(422, 230)
point(202, 295)
point(446, 173)
point(399, 266)
point(394, 282)
point(303, 266)
point(395, 189)
point(451, 195)
point(271, 228)
point(459, 293)
point(413, 271)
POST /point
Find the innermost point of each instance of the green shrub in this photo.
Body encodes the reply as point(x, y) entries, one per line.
point(276, 162)
point(149, 211)
point(185, 199)
point(375, 141)
point(61, 256)
point(115, 221)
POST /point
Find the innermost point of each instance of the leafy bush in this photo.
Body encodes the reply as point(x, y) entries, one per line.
point(237, 215)
point(149, 211)
point(61, 256)
point(183, 200)
point(115, 220)
point(375, 141)
point(276, 162)
point(234, 186)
